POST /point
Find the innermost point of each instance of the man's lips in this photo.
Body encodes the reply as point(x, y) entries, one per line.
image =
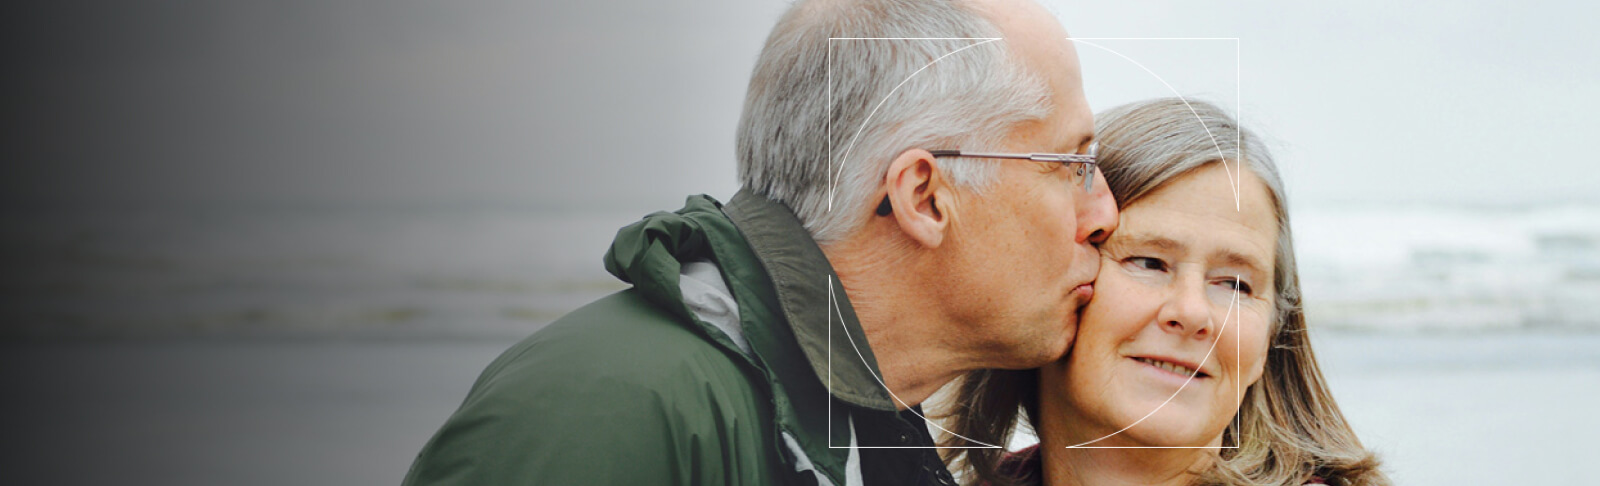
point(1084, 292)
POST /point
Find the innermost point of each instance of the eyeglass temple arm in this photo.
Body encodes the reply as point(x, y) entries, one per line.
point(1085, 159)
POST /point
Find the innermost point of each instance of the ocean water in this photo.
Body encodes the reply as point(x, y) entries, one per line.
point(507, 271)
point(1418, 269)
point(494, 272)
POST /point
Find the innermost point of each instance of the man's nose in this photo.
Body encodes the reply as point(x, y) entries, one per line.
point(1097, 212)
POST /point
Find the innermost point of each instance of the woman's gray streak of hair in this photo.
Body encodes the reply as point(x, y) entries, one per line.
point(970, 100)
point(1160, 141)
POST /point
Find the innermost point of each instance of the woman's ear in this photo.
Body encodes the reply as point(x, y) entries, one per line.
point(919, 197)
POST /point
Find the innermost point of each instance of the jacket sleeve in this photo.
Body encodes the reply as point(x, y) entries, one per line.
point(622, 415)
point(500, 438)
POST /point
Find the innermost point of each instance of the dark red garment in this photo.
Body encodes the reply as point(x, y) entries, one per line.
point(1026, 468)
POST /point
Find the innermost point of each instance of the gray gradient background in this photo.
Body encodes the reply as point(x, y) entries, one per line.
point(633, 104)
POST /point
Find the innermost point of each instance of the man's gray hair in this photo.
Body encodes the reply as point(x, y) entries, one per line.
point(970, 100)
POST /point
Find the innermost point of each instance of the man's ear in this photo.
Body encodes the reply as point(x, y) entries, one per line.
point(920, 196)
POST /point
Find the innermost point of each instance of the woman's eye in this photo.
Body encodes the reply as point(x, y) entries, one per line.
point(1236, 284)
point(1148, 263)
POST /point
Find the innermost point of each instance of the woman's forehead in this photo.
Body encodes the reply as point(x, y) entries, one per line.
point(1196, 214)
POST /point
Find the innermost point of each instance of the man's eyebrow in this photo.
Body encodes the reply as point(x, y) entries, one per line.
point(1082, 142)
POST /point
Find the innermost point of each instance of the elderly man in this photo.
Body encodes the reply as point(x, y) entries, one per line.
point(881, 245)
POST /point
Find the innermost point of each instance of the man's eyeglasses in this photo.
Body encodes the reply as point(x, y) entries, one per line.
point(1086, 165)
point(1085, 168)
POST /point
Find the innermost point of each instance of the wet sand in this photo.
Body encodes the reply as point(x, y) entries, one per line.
point(235, 413)
point(1474, 409)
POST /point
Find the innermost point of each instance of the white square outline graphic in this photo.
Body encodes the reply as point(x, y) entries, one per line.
point(833, 302)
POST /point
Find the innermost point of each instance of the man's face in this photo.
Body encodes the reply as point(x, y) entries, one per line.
point(1026, 246)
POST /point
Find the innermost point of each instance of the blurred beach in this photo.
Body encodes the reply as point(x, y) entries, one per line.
point(324, 347)
point(503, 272)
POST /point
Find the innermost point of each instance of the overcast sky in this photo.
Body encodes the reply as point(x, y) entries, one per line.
point(633, 103)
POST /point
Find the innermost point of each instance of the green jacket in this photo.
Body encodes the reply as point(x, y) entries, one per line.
point(639, 388)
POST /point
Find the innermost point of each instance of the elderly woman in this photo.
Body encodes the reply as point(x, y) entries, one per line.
point(1192, 364)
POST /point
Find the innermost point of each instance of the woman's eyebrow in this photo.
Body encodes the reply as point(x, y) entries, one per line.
point(1236, 259)
point(1225, 256)
point(1157, 242)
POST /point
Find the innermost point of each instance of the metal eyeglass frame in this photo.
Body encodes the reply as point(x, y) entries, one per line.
point(1088, 160)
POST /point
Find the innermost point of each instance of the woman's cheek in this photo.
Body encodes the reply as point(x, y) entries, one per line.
point(1254, 347)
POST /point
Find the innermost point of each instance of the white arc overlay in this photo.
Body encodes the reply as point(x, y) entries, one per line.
point(1235, 180)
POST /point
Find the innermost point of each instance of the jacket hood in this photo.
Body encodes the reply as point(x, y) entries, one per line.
point(650, 253)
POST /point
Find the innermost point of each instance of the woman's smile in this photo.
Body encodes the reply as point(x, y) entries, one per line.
point(1168, 367)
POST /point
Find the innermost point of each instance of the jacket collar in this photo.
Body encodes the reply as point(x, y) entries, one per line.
point(803, 334)
point(781, 280)
point(812, 300)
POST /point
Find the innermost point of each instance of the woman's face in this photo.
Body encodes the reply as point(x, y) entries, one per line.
point(1165, 305)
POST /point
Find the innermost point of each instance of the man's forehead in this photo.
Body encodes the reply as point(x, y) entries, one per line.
point(1036, 40)
point(1031, 30)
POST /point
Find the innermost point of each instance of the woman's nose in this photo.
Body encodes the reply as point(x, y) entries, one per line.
point(1187, 311)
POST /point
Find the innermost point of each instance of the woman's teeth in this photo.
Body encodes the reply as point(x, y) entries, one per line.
point(1179, 369)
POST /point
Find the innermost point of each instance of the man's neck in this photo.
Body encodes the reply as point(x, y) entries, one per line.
point(907, 333)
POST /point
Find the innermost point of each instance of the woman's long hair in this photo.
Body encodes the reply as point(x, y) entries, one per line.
point(1289, 430)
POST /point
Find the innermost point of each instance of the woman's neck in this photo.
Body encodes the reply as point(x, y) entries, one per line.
point(1119, 460)
point(1085, 466)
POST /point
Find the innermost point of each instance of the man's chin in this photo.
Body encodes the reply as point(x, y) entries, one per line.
point(1081, 295)
point(1035, 350)
point(1066, 351)
point(1063, 345)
